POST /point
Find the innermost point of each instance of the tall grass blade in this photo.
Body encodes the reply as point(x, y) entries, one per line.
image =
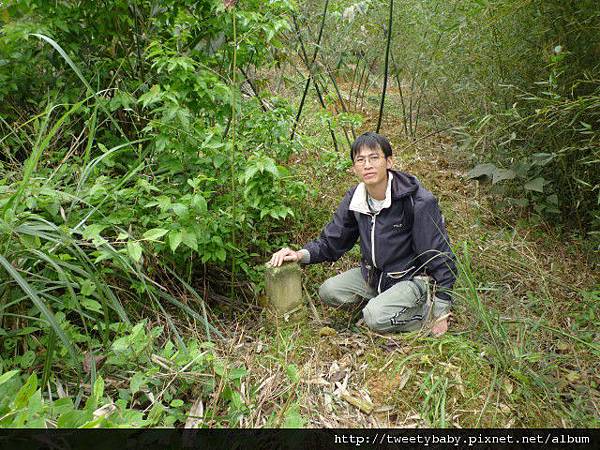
point(33, 296)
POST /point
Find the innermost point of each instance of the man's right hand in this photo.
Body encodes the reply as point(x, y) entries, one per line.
point(285, 254)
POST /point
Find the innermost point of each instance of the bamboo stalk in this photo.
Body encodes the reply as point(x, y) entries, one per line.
point(304, 57)
point(397, 76)
point(354, 78)
point(314, 57)
point(362, 74)
point(233, 136)
point(386, 66)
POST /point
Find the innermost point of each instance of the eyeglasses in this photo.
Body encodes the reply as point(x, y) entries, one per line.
point(362, 160)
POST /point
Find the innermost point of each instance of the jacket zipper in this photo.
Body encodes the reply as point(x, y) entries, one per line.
point(373, 217)
point(373, 239)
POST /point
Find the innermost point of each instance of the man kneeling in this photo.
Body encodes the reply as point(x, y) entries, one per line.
point(403, 243)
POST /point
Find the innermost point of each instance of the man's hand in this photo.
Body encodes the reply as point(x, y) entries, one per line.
point(285, 254)
point(440, 326)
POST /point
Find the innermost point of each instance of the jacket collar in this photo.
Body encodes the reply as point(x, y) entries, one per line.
point(359, 199)
point(400, 184)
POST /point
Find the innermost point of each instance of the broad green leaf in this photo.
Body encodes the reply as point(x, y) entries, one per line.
point(155, 234)
point(523, 202)
point(189, 239)
point(271, 167)
point(99, 388)
point(237, 373)
point(180, 209)
point(7, 376)
point(249, 173)
point(199, 203)
point(503, 174)
point(552, 199)
point(481, 170)
point(73, 419)
point(120, 345)
point(136, 382)
point(27, 359)
point(177, 403)
point(293, 418)
point(26, 391)
point(175, 238)
point(91, 305)
point(134, 249)
point(34, 407)
point(292, 373)
point(155, 413)
point(93, 231)
point(537, 184)
point(87, 287)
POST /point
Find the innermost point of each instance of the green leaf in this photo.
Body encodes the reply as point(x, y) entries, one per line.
point(72, 419)
point(541, 159)
point(180, 209)
point(137, 381)
point(155, 413)
point(26, 391)
point(292, 373)
point(134, 249)
point(249, 173)
point(98, 388)
point(155, 234)
point(7, 376)
point(271, 167)
point(199, 203)
point(87, 287)
point(177, 403)
point(503, 174)
point(522, 202)
point(237, 373)
point(120, 345)
point(537, 184)
point(27, 359)
point(481, 170)
point(175, 238)
point(91, 305)
point(552, 199)
point(293, 418)
point(93, 231)
point(189, 239)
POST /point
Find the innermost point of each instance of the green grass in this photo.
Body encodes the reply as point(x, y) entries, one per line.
point(509, 358)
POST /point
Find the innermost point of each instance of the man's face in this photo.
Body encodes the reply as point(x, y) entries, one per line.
point(371, 165)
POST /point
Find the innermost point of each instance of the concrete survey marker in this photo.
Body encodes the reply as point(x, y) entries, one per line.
point(284, 287)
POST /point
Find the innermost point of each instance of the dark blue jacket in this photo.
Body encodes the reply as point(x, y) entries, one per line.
point(393, 247)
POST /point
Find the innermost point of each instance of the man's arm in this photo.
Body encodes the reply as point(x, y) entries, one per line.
point(433, 248)
point(337, 237)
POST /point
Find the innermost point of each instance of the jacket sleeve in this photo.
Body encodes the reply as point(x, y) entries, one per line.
point(432, 247)
point(337, 237)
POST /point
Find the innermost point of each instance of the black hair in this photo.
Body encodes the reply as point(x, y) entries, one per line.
point(373, 141)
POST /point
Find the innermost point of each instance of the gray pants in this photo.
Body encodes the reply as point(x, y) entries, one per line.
point(403, 307)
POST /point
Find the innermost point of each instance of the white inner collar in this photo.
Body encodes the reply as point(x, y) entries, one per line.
point(359, 199)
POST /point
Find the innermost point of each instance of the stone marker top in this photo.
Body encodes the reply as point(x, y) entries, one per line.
point(284, 268)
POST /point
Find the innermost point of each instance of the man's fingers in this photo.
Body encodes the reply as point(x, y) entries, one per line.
point(285, 254)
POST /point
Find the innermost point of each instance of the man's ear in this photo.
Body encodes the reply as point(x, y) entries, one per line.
point(389, 162)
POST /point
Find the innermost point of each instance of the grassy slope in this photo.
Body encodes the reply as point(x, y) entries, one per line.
point(522, 349)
